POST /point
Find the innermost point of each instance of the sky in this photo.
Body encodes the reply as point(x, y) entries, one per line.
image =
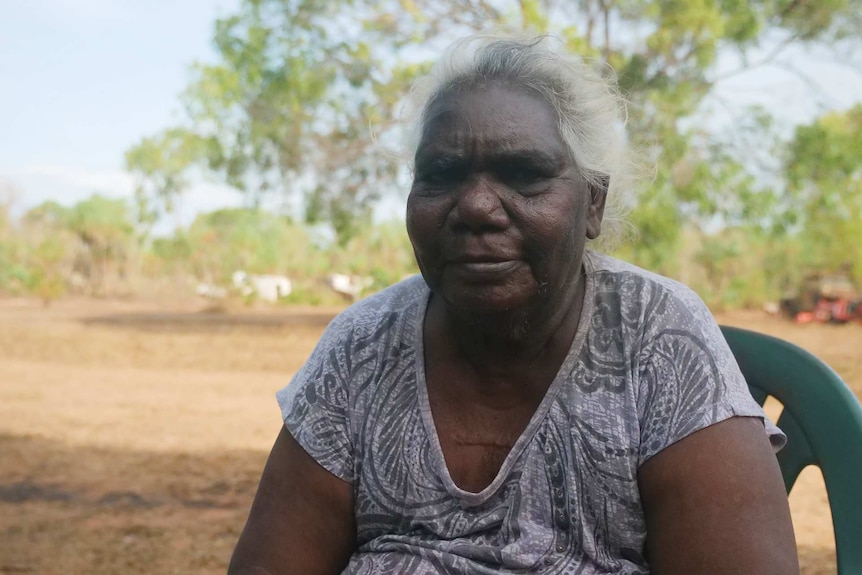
point(84, 80)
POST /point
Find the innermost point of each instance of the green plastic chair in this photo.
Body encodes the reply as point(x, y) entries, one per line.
point(823, 422)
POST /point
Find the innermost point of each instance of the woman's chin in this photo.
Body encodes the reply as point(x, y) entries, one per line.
point(486, 301)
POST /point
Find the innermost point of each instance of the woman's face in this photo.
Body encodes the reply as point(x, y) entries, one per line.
point(498, 214)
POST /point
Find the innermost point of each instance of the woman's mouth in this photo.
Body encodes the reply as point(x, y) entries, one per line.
point(482, 270)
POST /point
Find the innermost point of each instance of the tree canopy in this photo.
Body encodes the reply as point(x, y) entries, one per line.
point(302, 100)
point(824, 199)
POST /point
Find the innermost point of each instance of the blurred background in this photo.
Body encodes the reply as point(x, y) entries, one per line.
point(190, 190)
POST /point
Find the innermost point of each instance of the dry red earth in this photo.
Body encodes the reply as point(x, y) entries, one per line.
point(132, 434)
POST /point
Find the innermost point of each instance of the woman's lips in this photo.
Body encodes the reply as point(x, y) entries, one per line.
point(483, 270)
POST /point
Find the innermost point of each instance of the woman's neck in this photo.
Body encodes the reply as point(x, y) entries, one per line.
point(508, 344)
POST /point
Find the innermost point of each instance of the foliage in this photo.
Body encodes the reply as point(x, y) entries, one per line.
point(82, 244)
point(160, 165)
point(256, 241)
point(302, 97)
point(31, 260)
point(823, 203)
point(102, 223)
point(302, 103)
point(224, 241)
point(46, 279)
point(41, 255)
point(666, 72)
point(287, 108)
point(14, 273)
point(382, 252)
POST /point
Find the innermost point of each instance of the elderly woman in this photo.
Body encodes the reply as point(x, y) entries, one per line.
point(526, 405)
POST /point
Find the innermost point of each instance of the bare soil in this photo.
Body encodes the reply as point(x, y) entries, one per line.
point(132, 434)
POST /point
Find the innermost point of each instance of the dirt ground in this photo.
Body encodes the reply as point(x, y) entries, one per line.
point(132, 434)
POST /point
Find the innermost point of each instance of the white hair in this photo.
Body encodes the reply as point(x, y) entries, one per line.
point(591, 113)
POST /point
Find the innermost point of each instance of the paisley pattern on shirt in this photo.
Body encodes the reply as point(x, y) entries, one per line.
point(648, 366)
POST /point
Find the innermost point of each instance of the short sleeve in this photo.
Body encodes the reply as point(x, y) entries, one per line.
point(688, 378)
point(315, 404)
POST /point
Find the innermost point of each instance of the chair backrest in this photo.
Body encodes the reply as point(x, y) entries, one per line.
point(823, 422)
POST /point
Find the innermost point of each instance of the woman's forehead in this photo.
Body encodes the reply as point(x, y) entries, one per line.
point(496, 97)
point(502, 117)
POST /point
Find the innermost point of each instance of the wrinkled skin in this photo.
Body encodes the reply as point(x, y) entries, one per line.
point(498, 214)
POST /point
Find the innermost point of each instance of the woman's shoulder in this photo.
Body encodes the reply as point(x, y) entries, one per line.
point(372, 330)
point(609, 269)
point(657, 300)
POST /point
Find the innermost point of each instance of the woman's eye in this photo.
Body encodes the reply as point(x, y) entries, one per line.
point(433, 183)
point(440, 175)
point(527, 176)
point(522, 176)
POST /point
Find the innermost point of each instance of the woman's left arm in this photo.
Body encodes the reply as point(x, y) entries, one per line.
point(715, 504)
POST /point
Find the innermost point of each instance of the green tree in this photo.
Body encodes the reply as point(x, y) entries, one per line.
point(382, 252)
point(14, 273)
point(224, 241)
point(287, 108)
point(161, 166)
point(47, 277)
point(823, 203)
point(103, 228)
point(301, 97)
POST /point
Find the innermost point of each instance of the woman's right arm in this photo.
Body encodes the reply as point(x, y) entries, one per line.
point(301, 521)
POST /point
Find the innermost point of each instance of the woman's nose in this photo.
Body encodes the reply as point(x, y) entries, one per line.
point(479, 207)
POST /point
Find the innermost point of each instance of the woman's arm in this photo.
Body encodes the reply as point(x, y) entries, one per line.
point(715, 504)
point(301, 521)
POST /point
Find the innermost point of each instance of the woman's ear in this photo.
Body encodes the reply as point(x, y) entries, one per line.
point(596, 209)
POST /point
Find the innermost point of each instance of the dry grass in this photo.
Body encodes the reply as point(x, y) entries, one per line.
point(132, 434)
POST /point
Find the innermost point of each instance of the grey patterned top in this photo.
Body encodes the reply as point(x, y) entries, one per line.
point(647, 367)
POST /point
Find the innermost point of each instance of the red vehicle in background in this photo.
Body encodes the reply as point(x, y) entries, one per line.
point(828, 298)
